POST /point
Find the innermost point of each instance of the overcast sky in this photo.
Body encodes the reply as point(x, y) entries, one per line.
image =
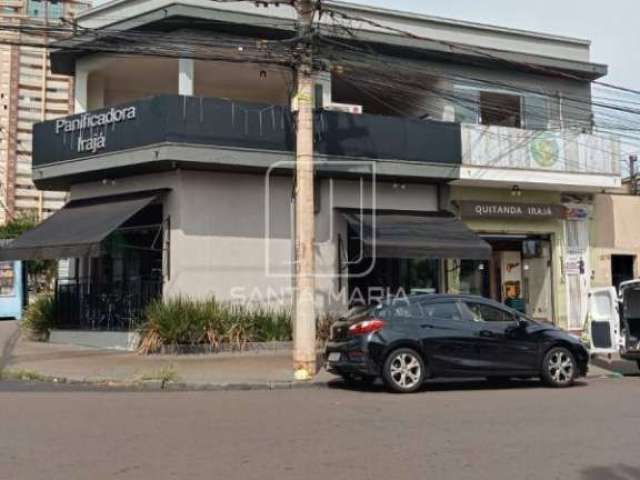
point(613, 26)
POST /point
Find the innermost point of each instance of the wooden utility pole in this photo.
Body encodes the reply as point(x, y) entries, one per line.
point(304, 351)
point(633, 159)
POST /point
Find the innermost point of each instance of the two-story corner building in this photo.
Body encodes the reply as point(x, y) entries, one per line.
point(458, 159)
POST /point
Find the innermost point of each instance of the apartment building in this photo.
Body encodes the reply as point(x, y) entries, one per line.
point(29, 92)
point(439, 169)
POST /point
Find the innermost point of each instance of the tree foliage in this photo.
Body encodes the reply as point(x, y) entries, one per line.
point(18, 225)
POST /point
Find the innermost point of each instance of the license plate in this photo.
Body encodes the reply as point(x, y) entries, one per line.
point(334, 357)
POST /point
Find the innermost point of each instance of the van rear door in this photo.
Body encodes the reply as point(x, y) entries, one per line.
point(604, 320)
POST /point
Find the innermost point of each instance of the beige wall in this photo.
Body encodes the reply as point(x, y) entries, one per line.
point(615, 231)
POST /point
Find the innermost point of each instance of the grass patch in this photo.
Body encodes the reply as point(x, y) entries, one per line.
point(23, 375)
point(164, 375)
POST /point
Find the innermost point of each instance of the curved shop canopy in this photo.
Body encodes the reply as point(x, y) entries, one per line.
point(416, 235)
point(78, 228)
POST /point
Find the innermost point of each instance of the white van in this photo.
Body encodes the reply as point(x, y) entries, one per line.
point(614, 321)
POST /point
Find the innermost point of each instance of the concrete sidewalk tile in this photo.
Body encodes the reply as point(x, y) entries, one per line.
point(76, 364)
point(9, 334)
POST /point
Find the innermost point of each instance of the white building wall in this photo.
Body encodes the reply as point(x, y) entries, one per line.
point(219, 241)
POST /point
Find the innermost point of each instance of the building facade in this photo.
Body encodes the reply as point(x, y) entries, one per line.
point(437, 169)
point(29, 93)
point(616, 237)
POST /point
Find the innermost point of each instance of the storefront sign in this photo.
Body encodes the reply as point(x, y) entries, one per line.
point(480, 209)
point(92, 127)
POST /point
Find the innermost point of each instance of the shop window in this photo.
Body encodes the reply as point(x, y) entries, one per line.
point(7, 279)
point(469, 277)
point(372, 280)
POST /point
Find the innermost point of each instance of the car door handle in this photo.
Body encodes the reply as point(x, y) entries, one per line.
point(486, 333)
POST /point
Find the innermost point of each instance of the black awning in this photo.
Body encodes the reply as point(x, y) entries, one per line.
point(77, 229)
point(409, 235)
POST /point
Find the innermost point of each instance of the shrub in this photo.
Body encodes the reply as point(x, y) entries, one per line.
point(323, 327)
point(183, 321)
point(40, 317)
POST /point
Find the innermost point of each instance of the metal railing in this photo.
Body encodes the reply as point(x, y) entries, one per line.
point(85, 305)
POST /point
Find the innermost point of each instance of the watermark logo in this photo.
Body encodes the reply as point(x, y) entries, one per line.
point(345, 220)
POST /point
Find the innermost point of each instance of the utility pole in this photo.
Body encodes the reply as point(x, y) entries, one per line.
point(304, 348)
point(633, 159)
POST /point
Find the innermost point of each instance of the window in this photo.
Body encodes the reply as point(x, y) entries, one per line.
point(485, 313)
point(536, 112)
point(466, 105)
point(53, 8)
point(501, 109)
point(442, 311)
point(7, 279)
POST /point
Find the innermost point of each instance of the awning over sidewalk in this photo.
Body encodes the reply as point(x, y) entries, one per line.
point(78, 228)
point(419, 235)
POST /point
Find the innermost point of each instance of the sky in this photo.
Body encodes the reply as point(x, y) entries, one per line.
point(612, 26)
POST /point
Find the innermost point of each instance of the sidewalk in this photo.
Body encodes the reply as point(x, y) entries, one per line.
point(9, 332)
point(225, 371)
point(72, 363)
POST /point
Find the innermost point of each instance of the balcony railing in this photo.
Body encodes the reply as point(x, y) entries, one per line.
point(566, 151)
point(497, 154)
point(228, 124)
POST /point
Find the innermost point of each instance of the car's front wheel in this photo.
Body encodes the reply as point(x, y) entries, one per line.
point(559, 368)
point(404, 370)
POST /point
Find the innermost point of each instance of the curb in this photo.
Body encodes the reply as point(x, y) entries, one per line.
point(172, 386)
point(615, 375)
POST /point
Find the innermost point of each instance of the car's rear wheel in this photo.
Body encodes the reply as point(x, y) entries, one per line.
point(404, 371)
point(559, 368)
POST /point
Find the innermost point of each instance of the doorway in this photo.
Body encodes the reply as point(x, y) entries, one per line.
point(520, 274)
point(622, 269)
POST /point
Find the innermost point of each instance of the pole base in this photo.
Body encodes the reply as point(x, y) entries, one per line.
point(304, 370)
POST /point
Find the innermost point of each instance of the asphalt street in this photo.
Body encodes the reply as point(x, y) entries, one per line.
point(448, 431)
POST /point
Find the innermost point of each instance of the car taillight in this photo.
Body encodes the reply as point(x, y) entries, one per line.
point(368, 326)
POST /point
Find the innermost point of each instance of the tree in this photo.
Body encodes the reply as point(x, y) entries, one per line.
point(41, 273)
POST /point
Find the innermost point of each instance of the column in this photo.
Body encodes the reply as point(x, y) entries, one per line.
point(185, 76)
point(81, 90)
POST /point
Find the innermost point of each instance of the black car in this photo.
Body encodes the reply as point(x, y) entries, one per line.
point(407, 340)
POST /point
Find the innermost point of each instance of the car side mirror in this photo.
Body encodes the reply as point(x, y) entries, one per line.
point(522, 322)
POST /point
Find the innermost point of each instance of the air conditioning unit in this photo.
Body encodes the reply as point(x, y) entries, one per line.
point(344, 108)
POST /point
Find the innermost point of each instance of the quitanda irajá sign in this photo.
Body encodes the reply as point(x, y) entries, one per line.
point(92, 127)
point(482, 209)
